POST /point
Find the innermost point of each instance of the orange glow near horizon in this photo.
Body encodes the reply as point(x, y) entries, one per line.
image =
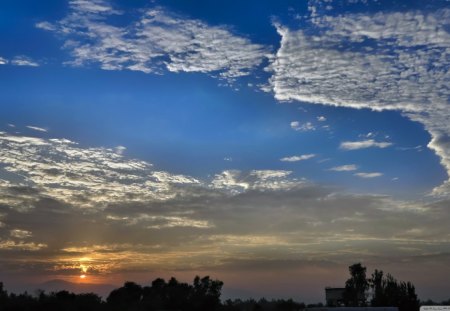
point(83, 276)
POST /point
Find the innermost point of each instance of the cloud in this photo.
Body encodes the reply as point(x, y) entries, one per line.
point(321, 119)
point(417, 148)
point(89, 177)
point(368, 175)
point(24, 61)
point(157, 41)
point(35, 128)
point(308, 126)
point(389, 60)
point(235, 181)
point(45, 26)
point(298, 158)
point(20, 234)
point(25, 246)
point(120, 149)
point(64, 205)
point(93, 7)
point(344, 168)
point(363, 144)
point(19, 61)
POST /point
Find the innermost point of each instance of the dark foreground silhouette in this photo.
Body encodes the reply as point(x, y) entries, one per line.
point(204, 295)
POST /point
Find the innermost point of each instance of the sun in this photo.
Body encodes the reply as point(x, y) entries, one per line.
point(83, 269)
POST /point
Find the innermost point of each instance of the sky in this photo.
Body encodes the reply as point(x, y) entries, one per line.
point(269, 145)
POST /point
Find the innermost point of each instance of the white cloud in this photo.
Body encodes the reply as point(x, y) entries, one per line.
point(157, 40)
point(298, 158)
point(120, 149)
point(230, 180)
point(35, 128)
point(27, 246)
point(175, 221)
point(344, 168)
point(305, 127)
point(382, 61)
point(321, 119)
point(369, 143)
point(93, 7)
point(235, 181)
point(161, 221)
point(20, 234)
point(295, 124)
point(368, 175)
point(21, 140)
point(46, 26)
point(87, 177)
point(268, 174)
point(3, 61)
point(24, 61)
point(358, 77)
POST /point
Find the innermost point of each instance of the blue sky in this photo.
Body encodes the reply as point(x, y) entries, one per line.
point(223, 113)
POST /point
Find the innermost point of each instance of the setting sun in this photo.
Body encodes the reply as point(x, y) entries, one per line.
point(83, 276)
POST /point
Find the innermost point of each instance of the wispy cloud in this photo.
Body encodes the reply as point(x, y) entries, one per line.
point(369, 143)
point(369, 175)
point(24, 61)
point(379, 61)
point(305, 127)
point(20, 234)
point(46, 26)
point(35, 128)
point(120, 149)
point(344, 168)
point(93, 7)
point(235, 181)
point(158, 40)
point(3, 61)
point(298, 158)
point(89, 177)
point(23, 246)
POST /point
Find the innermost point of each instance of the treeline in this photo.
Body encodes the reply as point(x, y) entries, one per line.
point(379, 290)
point(385, 290)
point(202, 295)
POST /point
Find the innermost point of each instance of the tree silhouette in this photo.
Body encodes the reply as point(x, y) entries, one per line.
point(3, 295)
point(203, 295)
point(356, 286)
point(387, 291)
point(206, 293)
point(127, 297)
